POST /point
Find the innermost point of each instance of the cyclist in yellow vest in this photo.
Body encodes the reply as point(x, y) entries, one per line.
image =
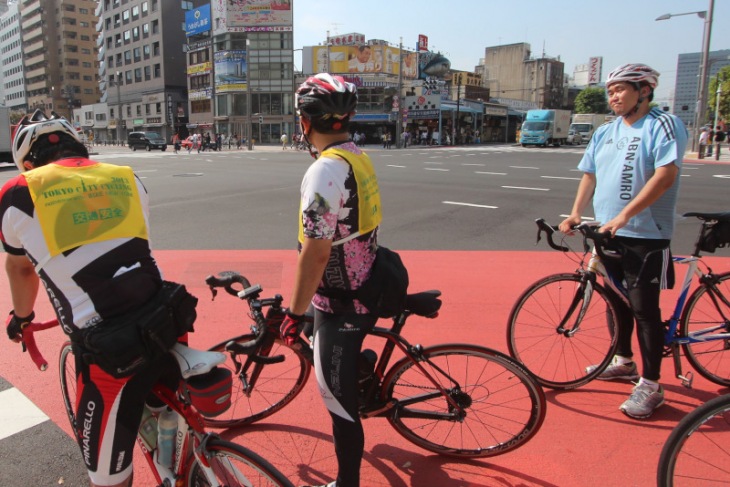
point(80, 228)
point(339, 215)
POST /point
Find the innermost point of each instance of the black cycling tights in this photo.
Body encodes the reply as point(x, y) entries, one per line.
point(337, 343)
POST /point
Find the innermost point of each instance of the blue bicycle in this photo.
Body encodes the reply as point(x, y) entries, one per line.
point(564, 323)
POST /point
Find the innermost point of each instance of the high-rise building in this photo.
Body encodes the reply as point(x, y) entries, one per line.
point(516, 78)
point(12, 79)
point(59, 44)
point(142, 64)
point(687, 83)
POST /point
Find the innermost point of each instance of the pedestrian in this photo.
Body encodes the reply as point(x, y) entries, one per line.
point(703, 142)
point(710, 140)
point(284, 139)
point(176, 142)
point(219, 142)
point(101, 278)
point(631, 172)
point(719, 139)
point(338, 226)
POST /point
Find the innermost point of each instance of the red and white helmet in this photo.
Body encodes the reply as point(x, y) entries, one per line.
point(31, 128)
point(634, 73)
point(324, 95)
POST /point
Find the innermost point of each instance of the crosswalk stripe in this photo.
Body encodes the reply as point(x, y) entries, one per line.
point(17, 413)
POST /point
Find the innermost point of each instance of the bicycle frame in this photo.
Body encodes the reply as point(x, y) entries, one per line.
point(671, 339)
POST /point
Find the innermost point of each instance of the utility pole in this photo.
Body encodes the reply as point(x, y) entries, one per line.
point(458, 97)
point(718, 92)
point(118, 80)
point(399, 121)
point(249, 141)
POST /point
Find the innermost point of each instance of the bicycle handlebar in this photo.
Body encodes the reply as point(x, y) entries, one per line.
point(586, 229)
point(30, 345)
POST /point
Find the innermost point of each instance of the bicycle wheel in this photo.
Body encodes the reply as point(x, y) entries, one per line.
point(67, 373)
point(234, 465)
point(559, 358)
point(276, 384)
point(706, 311)
point(504, 406)
point(697, 450)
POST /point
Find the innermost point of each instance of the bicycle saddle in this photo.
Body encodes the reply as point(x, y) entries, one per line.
point(722, 217)
point(195, 362)
point(425, 303)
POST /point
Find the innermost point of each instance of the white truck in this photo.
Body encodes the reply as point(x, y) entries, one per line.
point(587, 123)
point(6, 154)
point(545, 127)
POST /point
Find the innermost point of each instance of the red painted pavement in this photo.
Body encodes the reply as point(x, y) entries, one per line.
point(584, 441)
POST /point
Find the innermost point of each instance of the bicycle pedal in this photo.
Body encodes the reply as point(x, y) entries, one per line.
point(377, 409)
point(687, 380)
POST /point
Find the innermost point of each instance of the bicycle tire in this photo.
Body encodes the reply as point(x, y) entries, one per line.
point(504, 405)
point(249, 467)
point(67, 376)
point(556, 360)
point(710, 358)
point(277, 385)
point(697, 449)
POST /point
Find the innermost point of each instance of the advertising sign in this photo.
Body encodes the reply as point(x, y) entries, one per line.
point(422, 43)
point(197, 20)
point(595, 65)
point(363, 59)
point(351, 39)
point(230, 71)
point(432, 65)
point(252, 15)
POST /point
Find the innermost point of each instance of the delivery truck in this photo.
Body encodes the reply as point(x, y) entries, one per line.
point(587, 123)
point(545, 127)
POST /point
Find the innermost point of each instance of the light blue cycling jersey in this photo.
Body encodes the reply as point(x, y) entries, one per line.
point(624, 158)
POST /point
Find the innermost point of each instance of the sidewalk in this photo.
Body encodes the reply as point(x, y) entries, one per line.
point(693, 157)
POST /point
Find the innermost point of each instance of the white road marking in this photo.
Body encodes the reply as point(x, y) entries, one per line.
point(526, 188)
point(17, 413)
point(560, 177)
point(432, 162)
point(588, 218)
point(468, 204)
point(492, 173)
point(472, 164)
point(436, 169)
point(524, 167)
point(393, 165)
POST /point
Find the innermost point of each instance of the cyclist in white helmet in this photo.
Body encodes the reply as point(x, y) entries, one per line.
point(631, 171)
point(81, 228)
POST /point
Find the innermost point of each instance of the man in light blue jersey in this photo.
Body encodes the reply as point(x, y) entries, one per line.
point(631, 174)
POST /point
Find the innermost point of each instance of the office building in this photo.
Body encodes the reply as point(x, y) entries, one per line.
point(687, 83)
point(12, 79)
point(59, 44)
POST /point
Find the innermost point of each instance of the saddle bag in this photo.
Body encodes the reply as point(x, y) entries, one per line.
point(715, 235)
point(211, 393)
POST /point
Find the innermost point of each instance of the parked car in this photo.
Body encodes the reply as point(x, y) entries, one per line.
point(146, 140)
point(574, 137)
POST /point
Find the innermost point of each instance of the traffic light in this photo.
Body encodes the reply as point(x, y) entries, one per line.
point(261, 119)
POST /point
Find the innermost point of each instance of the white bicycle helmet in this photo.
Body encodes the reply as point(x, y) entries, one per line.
point(634, 73)
point(31, 128)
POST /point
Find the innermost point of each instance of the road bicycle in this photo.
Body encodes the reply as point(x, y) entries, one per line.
point(565, 323)
point(697, 450)
point(200, 458)
point(453, 399)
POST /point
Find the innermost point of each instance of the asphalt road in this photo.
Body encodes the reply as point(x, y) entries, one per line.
point(466, 198)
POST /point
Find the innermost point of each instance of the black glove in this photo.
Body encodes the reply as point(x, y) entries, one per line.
point(14, 325)
point(290, 327)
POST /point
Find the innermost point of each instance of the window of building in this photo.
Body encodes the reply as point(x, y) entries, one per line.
point(125, 16)
point(145, 8)
point(137, 52)
point(139, 110)
point(147, 110)
point(135, 33)
point(155, 27)
point(138, 75)
point(147, 73)
point(201, 106)
point(146, 51)
point(127, 36)
point(135, 12)
point(145, 30)
point(127, 57)
point(128, 77)
point(157, 71)
point(187, 5)
point(156, 49)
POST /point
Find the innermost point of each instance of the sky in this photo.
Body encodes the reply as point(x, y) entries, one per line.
point(621, 31)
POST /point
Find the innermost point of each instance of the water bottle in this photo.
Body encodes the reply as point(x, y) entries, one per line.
point(167, 426)
point(148, 429)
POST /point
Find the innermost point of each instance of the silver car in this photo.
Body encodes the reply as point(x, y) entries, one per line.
point(574, 138)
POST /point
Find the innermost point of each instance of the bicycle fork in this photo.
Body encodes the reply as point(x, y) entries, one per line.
point(583, 295)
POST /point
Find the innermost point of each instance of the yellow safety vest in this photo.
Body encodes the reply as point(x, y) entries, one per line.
point(369, 210)
point(84, 204)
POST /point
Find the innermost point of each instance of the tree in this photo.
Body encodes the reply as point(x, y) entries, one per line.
point(591, 100)
point(15, 116)
point(723, 76)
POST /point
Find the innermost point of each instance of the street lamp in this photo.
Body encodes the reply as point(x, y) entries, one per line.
point(119, 107)
point(702, 90)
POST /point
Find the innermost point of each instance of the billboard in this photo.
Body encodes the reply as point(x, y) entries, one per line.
point(595, 66)
point(252, 15)
point(230, 71)
point(363, 59)
point(432, 65)
point(197, 20)
point(422, 43)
